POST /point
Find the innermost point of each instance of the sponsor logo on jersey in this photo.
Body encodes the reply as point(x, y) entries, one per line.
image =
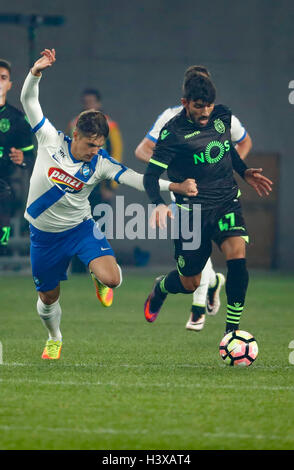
point(214, 152)
point(188, 136)
point(64, 180)
point(4, 125)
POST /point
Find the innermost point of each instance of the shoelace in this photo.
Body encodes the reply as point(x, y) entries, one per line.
point(102, 288)
point(52, 348)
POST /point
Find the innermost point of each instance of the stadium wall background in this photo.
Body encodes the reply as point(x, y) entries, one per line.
point(135, 52)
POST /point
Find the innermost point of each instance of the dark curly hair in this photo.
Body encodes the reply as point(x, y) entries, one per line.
point(193, 69)
point(199, 87)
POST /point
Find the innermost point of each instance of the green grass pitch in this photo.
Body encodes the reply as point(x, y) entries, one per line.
point(122, 383)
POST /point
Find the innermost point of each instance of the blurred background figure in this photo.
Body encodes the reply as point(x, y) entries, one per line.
point(91, 99)
point(16, 158)
point(105, 191)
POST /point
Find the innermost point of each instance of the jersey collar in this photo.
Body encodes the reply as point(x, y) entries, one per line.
point(69, 141)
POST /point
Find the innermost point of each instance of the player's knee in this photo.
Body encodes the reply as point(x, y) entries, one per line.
point(48, 298)
point(234, 248)
point(112, 282)
point(114, 279)
point(190, 283)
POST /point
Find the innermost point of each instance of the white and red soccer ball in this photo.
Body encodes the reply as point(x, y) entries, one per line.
point(238, 348)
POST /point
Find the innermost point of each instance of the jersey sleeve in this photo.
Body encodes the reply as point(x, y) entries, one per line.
point(136, 180)
point(238, 132)
point(110, 168)
point(45, 132)
point(163, 154)
point(164, 150)
point(160, 122)
point(238, 164)
point(116, 171)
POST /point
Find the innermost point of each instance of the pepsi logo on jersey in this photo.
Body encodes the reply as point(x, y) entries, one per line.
point(64, 180)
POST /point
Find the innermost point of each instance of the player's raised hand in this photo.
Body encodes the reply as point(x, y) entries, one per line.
point(187, 187)
point(159, 216)
point(259, 182)
point(47, 59)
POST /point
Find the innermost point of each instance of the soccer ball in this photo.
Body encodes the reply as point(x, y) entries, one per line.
point(238, 348)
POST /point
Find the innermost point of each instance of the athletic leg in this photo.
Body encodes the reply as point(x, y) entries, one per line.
point(172, 283)
point(106, 274)
point(49, 310)
point(197, 315)
point(106, 269)
point(96, 253)
point(237, 280)
point(184, 280)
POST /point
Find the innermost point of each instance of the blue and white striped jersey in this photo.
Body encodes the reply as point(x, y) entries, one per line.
point(60, 184)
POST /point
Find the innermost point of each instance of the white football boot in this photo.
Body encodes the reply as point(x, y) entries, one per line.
point(198, 325)
point(213, 295)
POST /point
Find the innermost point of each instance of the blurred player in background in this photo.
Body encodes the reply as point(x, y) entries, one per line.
point(206, 298)
point(16, 153)
point(91, 99)
point(197, 142)
point(58, 209)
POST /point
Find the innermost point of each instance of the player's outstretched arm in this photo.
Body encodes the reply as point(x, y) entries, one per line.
point(259, 182)
point(30, 99)
point(30, 91)
point(135, 180)
point(113, 170)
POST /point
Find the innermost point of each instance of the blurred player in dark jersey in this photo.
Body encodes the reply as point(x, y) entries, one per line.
point(16, 153)
point(197, 144)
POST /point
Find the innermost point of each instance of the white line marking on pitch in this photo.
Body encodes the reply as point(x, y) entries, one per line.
point(148, 384)
point(145, 366)
point(212, 435)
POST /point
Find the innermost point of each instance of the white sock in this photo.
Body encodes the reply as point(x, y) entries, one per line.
point(212, 274)
point(50, 316)
point(120, 275)
point(200, 294)
point(208, 279)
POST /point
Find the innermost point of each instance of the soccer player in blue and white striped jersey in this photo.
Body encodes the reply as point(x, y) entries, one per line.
point(61, 224)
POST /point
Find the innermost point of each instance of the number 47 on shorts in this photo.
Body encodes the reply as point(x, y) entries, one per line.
point(228, 224)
